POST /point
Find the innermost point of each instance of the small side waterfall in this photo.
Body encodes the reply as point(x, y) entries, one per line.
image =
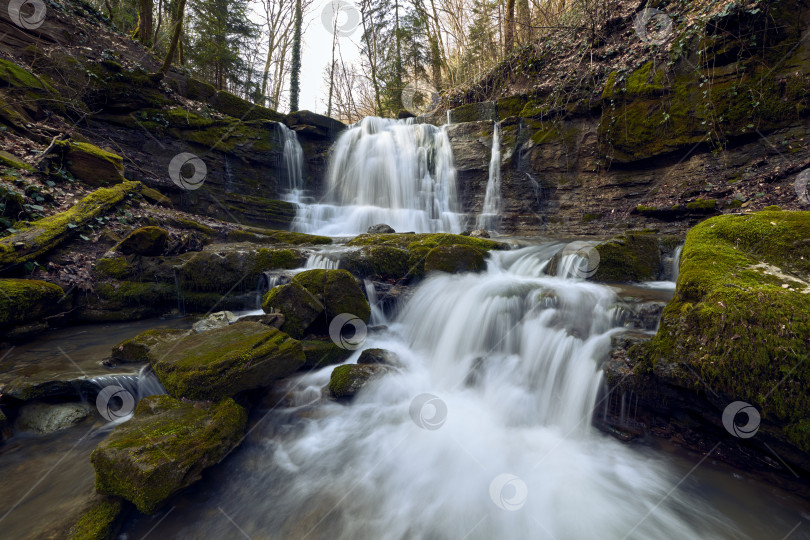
point(395, 172)
point(293, 157)
point(377, 314)
point(676, 263)
point(493, 203)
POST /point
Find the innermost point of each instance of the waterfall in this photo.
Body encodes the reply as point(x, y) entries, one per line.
point(675, 269)
point(136, 387)
point(489, 411)
point(493, 204)
point(377, 314)
point(321, 261)
point(293, 156)
point(395, 172)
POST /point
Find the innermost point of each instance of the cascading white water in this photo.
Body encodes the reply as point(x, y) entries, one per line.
point(493, 204)
point(499, 376)
point(377, 314)
point(293, 156)
point(395, 172)
point(676, 263)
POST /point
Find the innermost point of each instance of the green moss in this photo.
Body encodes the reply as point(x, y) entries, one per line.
point(100, 522)
point(454, 259)
point(164, 448)
point(134, 294)
point(49, 232)
point(337, 290)
point(9, 160)
point(632, 257)
point(278, 259)
point(735, 323)
point(24, 300)
point(511, 106)
point(234, 106)
point(301, 309)
point(148, 241)
point(136, 350)
point(388, 262)
point(702, 206)
point(15, 76)
point(91, 164)
point(226, 361)
point(588, 218)
point(347, 380)
point(114, 267)
point(289, 238)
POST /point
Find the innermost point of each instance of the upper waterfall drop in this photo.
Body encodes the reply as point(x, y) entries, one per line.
point(395, 172)
point(293, 156)
point(493, 203)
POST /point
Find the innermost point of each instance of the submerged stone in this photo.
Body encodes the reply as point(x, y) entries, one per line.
point(348, 380)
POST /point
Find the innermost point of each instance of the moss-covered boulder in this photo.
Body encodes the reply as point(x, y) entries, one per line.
point(348, 380)
point(388, 262)
point(227, 361)
point(115, 267)
point(379, 356)
point(454, 259)
point(148, 241)
point(741, 319)
point(136, 350)
point(101, 522)
point(323, 352)
point(632, 257)
point(25, 300)
point(300, 308)
point(338, 291)
point(164, 448)
point(91, 164)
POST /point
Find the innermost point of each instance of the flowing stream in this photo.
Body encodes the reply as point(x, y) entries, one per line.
point(395, 172)
point(483, 431)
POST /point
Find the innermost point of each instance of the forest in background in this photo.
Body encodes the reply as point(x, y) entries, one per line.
point(426, 47)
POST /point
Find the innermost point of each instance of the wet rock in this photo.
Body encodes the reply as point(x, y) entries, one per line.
point(147, 241)
point(387, 262)
point(24, 300)
point(381, 229)
point(215, 320)
point(632, 257)
point(275, 319)
point(44, 418)
point(348, 380)
point(227, 361)
point(164, 448)
point(454, 259)
point(101, 521)
point(479, 233)
point(136, 350)
point(379, 357)
point(323, 352)
point(300, 309)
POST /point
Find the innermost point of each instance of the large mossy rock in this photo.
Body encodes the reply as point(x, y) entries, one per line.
point(164, 448)
point(315, 298)
point(741, 319)
point(323, 352)
point(632, 257)
point(136, 350)
point(348, 380)
point(454, 259)
point(227, 361)
point(148, 241)
point(23, 300)
point(91, 164)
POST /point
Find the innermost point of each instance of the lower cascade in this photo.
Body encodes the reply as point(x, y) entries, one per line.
point(482, 431)
point(396, 172)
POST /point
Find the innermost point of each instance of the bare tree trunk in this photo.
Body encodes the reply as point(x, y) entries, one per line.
point(370, 34)
point(145, 22)
point(178, 29)
point(524, 17)
point(509, 34)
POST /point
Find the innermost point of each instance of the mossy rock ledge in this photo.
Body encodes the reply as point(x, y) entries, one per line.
point(227, 361)
point(136, 350)
point(24, 300)
point(314, 298)
point(148, 241)
point(164, 448)
point(102, 521)
point(740, 319)
point(454, 259)
point(91, 164)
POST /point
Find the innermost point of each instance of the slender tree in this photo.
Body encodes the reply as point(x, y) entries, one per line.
point(144, 31)
point(509, 32)
point(178, 29)
point(295, 76)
